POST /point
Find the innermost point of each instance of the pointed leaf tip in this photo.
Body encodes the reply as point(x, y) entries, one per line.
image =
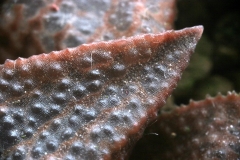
point(95, 98)
point(198, 31)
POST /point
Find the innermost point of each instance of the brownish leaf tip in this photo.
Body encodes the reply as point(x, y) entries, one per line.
point(89, 102)
point(207, 129)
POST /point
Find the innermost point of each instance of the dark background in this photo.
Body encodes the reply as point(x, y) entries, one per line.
point(215, 67)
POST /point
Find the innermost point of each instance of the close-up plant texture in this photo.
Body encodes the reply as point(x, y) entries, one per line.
point(107, 79)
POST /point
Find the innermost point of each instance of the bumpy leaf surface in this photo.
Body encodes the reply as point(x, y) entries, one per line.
point(89, 102)
point(207, 129)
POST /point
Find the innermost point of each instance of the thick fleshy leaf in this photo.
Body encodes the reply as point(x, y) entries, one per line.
point(93, 101)
point(207, 129)
point(30, 27)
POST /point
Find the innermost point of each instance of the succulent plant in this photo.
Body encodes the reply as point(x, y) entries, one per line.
point(96, 76)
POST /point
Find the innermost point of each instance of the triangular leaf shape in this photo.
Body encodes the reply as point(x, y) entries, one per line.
point(90, 102)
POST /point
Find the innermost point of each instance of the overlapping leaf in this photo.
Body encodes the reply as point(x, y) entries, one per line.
point(207, 129)
point(33, 27)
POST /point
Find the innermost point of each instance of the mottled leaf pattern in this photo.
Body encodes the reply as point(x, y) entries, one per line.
point(41, 26)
